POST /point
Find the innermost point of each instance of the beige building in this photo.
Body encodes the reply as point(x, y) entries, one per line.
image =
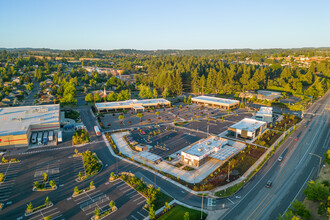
point(216, 102)
point(17, 124)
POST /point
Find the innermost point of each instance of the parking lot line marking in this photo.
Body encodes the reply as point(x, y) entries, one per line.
point(50, 210)
point(78, 197)
point(130, 193)
point(134, 195)
point(138, 199)
point(141, 214)
point(125, 187)
point(120, 185)
point(90, 198)
point(141, 202)
point(134, 217)
point(56, 217)
point(127, 190)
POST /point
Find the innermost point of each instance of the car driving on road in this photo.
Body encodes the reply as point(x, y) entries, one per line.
point(269, 184)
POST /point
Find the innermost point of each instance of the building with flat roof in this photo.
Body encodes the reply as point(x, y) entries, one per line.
point(265, 114)
point(216, 102)
point(247, 128)
point(18, 123)
point(132, 104)
point(212, 147)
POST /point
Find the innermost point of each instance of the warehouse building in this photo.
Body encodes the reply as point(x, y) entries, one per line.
point(19, 125)
point(265, 114)
point(134, 104)
point(247, 128)
point(213, 147)
point(216, 102)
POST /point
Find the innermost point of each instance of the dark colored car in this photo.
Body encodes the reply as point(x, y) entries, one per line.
point(269, 184)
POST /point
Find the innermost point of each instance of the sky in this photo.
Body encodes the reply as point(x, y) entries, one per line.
point(164, 24)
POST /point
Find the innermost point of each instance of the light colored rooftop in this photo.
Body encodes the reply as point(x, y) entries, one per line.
point(131, 103)
point(265, 111)
point(206, 146)
point(16, 120)
point(248, 124)
point(214, 100)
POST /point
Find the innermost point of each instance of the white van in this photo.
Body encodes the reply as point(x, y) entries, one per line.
point(39, 138)
point(51, 136)
point(34, 137)
point(59, 137)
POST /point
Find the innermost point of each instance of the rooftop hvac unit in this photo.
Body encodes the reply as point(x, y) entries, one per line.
point(208, 143)
point(200, 149)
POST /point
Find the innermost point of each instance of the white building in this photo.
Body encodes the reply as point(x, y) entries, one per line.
point(133, 104)
point(18, 123)
point(213, 147)
point(247, 128)
point(216, 102)
point(265, 114)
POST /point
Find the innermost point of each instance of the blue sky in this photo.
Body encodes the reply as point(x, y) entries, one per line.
point(157, 24)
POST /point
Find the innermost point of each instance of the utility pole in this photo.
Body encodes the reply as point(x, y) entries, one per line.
point(155, 180)
point(117, 164)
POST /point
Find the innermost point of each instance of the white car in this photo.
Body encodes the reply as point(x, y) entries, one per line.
point(280, 158)
point(2, 153)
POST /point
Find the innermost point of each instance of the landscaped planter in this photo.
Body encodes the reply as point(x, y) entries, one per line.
point(105, 215)
point(37, 209)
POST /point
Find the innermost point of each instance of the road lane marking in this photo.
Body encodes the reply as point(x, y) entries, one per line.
point(300, 189)
point(230, 201)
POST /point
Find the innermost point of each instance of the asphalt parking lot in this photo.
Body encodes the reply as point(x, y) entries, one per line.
point(52, 212)
point(10, 172)
point(173, 138)
point(52, 169)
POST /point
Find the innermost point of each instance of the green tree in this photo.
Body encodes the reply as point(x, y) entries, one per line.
point(45, 175)
point(29, 208)
point(2, 177)
point(79, 175)
point(288, 216)
point(155, 93)
point(97, 212)
point(165, 93)
point(152, 214)
point(47, 202)
point(112, 205)
point(76, 190)
point(139, 115)
point(97, 97)
point(47, 218)
point(298, 208)
point(52, 184)
point(91, 184)
point(89, 98)
point(316, 191)
point(186, 216)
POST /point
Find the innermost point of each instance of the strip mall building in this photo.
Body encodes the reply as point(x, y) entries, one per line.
point(216, 102)
point(18, 123)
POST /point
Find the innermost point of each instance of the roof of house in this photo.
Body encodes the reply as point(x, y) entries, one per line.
point(16, 120)
point(248, 124)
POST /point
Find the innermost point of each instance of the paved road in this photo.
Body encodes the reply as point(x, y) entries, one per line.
point(290, 175)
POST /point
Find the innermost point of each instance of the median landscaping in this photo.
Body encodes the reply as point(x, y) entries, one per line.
point(92, 164)
point(12, 160)
point(45, 185)
point(268, 138)
point(155, 198)
point(76, 190)
point(287, 122)
point(80, 137)
point(100, 215)
point(30, 209)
